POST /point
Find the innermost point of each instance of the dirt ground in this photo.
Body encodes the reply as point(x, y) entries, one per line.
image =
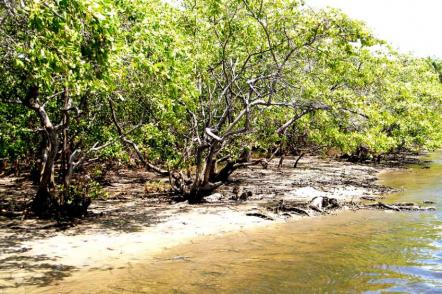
point(134, 219)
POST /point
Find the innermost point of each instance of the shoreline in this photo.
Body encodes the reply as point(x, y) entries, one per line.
point(121, 231)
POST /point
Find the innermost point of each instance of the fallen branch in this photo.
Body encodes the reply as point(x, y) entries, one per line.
point(260, 215)
point(296, 210)
point(398, 207)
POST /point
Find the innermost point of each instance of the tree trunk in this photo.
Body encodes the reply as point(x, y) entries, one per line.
point(45, 202)
point(41, 156)
point(298, 159)
point(66, 160)
point(198, 193)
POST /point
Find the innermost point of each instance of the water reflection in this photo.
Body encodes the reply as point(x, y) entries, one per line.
point(353, 252)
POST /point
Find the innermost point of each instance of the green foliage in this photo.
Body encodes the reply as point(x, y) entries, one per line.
point(16, 138)
point(83, 190)
point(175, 71)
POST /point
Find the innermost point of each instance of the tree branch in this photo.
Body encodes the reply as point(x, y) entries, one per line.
point(131, 143)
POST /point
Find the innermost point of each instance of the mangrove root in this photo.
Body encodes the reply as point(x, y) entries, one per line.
point(399, 207)
point(260, 215)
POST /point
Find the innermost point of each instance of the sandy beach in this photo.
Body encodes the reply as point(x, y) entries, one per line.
point(133, 223)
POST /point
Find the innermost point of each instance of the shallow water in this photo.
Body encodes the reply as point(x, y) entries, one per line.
point(366, 251)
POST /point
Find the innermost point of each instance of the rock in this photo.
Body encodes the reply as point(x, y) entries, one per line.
point(317, 203)
point(237, 190)
point(214, 197)
point(245, 195)
point(234, 198)
point(237, 193)
point(333, 203)
point(320, 204)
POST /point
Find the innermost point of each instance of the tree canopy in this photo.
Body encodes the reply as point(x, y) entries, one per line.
point(193, 90)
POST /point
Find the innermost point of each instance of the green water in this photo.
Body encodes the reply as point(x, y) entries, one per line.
point(366, 251)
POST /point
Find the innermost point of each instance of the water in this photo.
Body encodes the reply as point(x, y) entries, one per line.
point(366, 251)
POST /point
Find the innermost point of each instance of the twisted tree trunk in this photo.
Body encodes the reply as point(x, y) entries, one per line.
point(45, 202)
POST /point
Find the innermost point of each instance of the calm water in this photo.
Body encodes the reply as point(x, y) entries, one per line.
point(352, 252)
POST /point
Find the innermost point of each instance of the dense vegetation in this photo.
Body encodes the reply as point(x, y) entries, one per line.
point(193, 89)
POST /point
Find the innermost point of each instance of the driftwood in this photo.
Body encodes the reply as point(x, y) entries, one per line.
point(323, 205)
point(385, 206)
point(407, 206)
point(317, 204)
point(260, 215)
point(297, 210)
point(368, 198)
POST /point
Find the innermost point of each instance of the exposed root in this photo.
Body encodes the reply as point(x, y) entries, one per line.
point(296, 210)
point(45, 205)
point(398, 207)
point(325, 205)
point(320, 205)
point(260, 215)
